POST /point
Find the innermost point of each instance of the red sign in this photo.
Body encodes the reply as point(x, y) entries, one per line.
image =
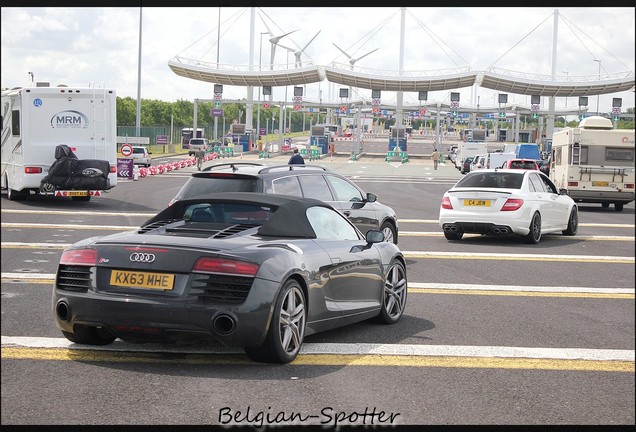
point(126, 150)
point(297, 107)
point(376, 110)
point(422, 111)
point(265, 105)
point(343, 109)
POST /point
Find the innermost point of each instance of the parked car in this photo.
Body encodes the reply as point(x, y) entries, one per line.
point(465, 166)
point(251, 270)
point(479, 162)
point(529, 164)
point(141, 156)
point(507, 202)
point(311, 181)
point(197, 144)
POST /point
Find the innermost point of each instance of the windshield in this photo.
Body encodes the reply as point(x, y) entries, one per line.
point(204, 185)
point(491, 180)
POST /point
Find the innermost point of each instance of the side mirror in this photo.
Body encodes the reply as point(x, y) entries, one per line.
point(373, 236)
point(371, 197)
point(563, 191)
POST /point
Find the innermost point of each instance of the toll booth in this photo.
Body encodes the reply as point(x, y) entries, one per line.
point(320, 138)
point(397, 138)
point(242, 137)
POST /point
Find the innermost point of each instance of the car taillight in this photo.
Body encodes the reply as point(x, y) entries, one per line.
point(573, 184)
point(113, 169)
point(32, 170)
point(86, 257)
point(225, 266)
point(446, 204)
point(629, 185)
point(512, 204)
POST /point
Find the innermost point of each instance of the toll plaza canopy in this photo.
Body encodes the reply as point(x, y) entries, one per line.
point(375, 79)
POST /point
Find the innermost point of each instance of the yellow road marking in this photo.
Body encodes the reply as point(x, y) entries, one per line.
point(321, 360)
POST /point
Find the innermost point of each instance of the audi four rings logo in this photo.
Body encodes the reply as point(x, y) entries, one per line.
point(142, 257)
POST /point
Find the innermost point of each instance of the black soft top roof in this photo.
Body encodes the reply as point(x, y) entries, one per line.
point(288, 220)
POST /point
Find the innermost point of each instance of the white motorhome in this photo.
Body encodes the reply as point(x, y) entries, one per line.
point(595, 162)
point(469, 149)
point(36, 120)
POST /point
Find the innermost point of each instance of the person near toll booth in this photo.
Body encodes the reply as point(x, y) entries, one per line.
point(296, 158)
point(199, 155)
point(435, 157)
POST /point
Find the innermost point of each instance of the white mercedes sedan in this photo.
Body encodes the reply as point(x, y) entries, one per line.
point(503, 202)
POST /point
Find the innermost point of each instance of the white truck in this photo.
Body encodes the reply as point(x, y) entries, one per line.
point(467, 149)
point(37, 120)
point(594, 162)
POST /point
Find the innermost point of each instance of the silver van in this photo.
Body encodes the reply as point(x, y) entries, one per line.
point(197, 144)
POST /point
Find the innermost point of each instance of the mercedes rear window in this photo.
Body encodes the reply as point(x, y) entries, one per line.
point(204, 185)
point(492, 180)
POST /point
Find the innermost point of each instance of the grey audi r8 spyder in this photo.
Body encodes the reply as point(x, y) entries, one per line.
point(251, 270)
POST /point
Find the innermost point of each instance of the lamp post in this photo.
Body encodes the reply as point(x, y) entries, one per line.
point(258, 112)
point(567, 78)
point(599, 78)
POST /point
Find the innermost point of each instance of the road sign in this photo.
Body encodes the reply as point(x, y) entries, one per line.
point(616, 110)
point(265, 105)
point(162, 139)
point(125, 167)
point(297, 107)
point(126, 150)
point(218, 96)
point(217, 105)
point(343, 109)
point(422, 111)
point(454, 105)
point(133, 140)
point(215, 112)
point(376, 110)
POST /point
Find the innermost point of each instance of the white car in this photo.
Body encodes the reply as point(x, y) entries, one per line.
point(507, 202)
point(141, 156)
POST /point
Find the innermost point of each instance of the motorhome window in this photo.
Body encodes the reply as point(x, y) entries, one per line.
point(15, 123)
point(619, 154)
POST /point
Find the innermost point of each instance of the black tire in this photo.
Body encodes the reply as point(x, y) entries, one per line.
point(618, 206)
point(395, 293)
point(534, 235)
point(47, 187)
point(389, 232)
point(287, 329)
point(573, 222)
point(90, 335)
point(453, 235)
point(605, 205)
point(14, 195)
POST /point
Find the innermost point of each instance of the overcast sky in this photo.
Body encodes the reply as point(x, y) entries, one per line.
point(79, 46)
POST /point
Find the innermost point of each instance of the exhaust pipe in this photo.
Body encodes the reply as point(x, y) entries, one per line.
point(63, 310)
point(224, 324)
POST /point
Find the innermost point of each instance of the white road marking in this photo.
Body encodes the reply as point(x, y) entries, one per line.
point(345, 349)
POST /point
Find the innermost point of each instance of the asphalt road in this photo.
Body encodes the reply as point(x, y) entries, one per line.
point(495, 331)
